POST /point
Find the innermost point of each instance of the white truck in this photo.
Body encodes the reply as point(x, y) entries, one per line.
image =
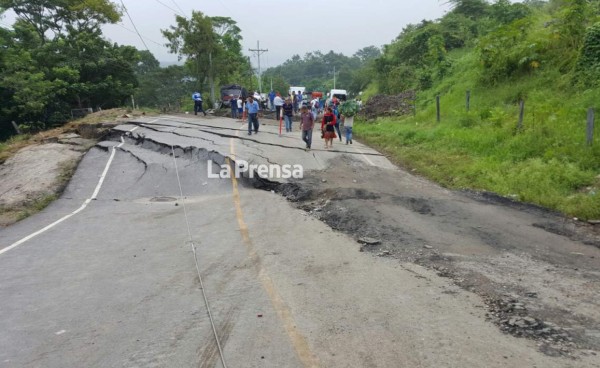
point(296, 89)
point(340, 94)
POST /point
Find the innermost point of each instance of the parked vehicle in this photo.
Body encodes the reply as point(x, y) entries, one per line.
point(232, 90)
point(340, 94)
point(296, 89)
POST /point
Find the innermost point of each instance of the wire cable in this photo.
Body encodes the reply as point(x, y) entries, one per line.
point(168, 7)
point(210, 317)
point(132, 31)
point(134, 27)
point(178, 7)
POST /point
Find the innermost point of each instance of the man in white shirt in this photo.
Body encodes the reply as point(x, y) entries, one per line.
point(278, 102)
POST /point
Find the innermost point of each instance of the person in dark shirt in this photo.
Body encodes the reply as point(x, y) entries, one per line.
point(288, 113)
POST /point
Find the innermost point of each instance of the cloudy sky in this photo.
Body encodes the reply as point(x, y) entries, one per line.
point(285, 28)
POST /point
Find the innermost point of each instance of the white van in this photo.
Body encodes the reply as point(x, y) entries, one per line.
point(296, 89)
point(341, 94)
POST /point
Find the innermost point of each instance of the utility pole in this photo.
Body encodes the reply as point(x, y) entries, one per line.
point(258, 52)
point(334, 77)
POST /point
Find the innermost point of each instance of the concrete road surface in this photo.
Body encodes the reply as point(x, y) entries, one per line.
point(146, 261)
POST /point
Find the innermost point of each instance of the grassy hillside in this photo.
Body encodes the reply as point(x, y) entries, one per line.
point(547, 162)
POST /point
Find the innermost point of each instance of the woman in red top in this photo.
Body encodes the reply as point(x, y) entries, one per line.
point(328, 127)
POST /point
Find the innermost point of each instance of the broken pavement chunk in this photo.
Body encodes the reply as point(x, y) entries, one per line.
point(368, 241)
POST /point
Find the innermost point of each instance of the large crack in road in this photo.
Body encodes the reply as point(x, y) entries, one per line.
point(539, 282)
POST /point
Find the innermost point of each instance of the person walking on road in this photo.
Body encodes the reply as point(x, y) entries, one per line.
point(272, 100)
point(233, 105)
point(252, 110)
point(288, 113)
point(336, 112)
point(328, 127)
point(240, 108)
point(197, 97)
point(307, 123)
point(278, 102)
point(348, 122)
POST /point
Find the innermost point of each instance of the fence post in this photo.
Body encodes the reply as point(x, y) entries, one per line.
point(590, 126)
point(521, 113)
point(16, 127)
point(437, 105)
point(468, 100)
point(415, 105)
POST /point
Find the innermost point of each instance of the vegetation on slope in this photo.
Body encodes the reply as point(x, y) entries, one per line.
point(539, 53)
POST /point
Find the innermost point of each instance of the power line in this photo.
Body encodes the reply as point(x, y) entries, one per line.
point(168, 7)
point(134, 27)
point(147, 39)
point(177, 5)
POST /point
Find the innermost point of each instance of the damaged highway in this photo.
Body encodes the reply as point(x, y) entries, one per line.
point(148, 260)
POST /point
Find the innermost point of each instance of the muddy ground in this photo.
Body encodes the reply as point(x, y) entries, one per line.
point(538, 272)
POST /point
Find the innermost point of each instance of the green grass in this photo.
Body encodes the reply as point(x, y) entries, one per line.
point(545, 163)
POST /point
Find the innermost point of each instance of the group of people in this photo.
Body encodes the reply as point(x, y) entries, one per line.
point(330, 121)
point(330, 124)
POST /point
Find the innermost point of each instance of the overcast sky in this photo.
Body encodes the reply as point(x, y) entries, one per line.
point(285, 28)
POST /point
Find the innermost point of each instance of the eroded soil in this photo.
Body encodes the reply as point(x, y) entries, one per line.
point(538, 272)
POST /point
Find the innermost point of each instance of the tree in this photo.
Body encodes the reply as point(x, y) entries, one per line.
point(473, 9)
point(230, 66)
point(55, 59)
point(163, 88)
point(62, 16)
point(367, 53)
point(195, 39)
point(147, 63)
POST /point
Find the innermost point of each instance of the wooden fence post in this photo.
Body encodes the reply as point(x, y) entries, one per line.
point(415, 105)
point(590, 126)
point(16, 127)
point(437, 105)
point(521, 114)
point(468, 100)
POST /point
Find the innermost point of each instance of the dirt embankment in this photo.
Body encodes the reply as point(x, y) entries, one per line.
point(36, 171)
point(389, 105)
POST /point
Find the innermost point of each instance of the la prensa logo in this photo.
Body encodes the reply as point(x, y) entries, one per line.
point(264, 171)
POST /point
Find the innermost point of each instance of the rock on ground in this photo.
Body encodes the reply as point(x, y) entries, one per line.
point(34, 172)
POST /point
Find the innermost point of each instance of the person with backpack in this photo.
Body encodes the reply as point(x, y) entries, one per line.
point(348, 122)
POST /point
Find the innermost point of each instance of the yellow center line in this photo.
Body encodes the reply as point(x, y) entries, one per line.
point(283, 311)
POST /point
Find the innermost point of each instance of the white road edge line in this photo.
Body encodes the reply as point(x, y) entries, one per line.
point(366, 158)
point(83, 206)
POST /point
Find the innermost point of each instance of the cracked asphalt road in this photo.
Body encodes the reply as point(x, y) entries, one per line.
point(114, 283)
